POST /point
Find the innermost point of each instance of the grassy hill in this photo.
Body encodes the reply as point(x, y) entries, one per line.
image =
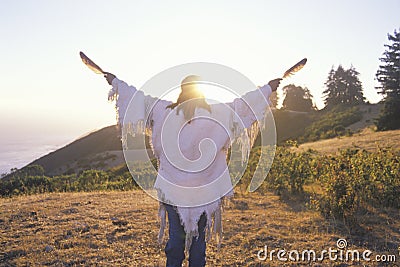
point(92, 147)
point(369, 113)
point(366, 139)
point(312, 126)
point(101, 149)
point(290, 124)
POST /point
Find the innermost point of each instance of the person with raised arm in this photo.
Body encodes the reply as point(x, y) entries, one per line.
point(190, 139)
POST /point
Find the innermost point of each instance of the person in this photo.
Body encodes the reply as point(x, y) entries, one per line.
point(193, 214)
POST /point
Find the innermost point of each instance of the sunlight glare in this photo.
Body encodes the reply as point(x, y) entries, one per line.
point(212, 93)
point(216, 94)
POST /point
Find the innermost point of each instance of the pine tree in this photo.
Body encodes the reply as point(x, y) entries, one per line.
point(297, 98)
point(355, 91)
point(343, 87)
point(388, 75)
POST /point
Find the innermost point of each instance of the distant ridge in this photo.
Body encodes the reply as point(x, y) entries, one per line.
point(103, 140)
point(102, 150)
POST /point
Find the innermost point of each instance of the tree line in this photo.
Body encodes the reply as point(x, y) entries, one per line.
point(343, 87)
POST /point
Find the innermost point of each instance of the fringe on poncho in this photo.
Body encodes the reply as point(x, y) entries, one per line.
point(137, 113)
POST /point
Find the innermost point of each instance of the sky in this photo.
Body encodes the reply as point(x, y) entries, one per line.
point(48, 94)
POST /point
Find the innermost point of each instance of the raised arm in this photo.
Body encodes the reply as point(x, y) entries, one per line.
point(122, 93)
point(252, 105)
point(132, 105)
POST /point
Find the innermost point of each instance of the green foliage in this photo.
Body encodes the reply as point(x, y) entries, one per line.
point(389, 77)
point(289, 171)
point(21, 183)
point(357, 178)
point(343, 87)
point(30, 170)
point(389, 72)
point(339, 198)
point(290, 125)
point(331, 123)
point(297, 98)
point(346, 182)
point(389, 119)
point(31, 180)
point(316, 125)
point(91, 180)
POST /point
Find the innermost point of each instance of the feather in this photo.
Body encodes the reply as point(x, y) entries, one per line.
point(91, 65)
point(298, 66)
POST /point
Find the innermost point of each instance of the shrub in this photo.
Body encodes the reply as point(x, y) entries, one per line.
point(332, 123)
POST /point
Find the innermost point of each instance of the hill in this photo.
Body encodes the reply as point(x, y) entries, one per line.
point(291, 124)
point(98, 149)
point(366, 139)
point(101, 149)
point(369, 113)
point(340, 120)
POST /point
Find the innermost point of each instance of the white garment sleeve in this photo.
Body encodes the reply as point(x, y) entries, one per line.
point(252, 106)
point(133, 107)
point(122, 93)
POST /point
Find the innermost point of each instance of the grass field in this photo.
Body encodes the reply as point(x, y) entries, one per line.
point(366, 139)
point(120, 229)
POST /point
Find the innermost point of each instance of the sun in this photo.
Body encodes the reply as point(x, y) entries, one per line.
point(212, 92)
point(217, 94)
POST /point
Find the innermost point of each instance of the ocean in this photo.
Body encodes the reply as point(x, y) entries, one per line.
point(19, 152)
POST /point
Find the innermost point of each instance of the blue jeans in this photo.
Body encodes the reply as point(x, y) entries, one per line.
point(174, 250)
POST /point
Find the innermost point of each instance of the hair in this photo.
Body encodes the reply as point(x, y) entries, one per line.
point(190, 98)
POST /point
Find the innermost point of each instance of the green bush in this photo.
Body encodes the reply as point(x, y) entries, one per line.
point(331, 123)
point(348, 181)
point(389, 118)
point(289, 171)
point(91, 180)
point(355, 179)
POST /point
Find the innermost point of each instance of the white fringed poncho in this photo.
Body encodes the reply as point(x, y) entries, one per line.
point(226, 123)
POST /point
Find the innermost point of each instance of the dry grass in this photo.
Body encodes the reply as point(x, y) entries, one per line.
point(366, 139)
point(120, 229)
